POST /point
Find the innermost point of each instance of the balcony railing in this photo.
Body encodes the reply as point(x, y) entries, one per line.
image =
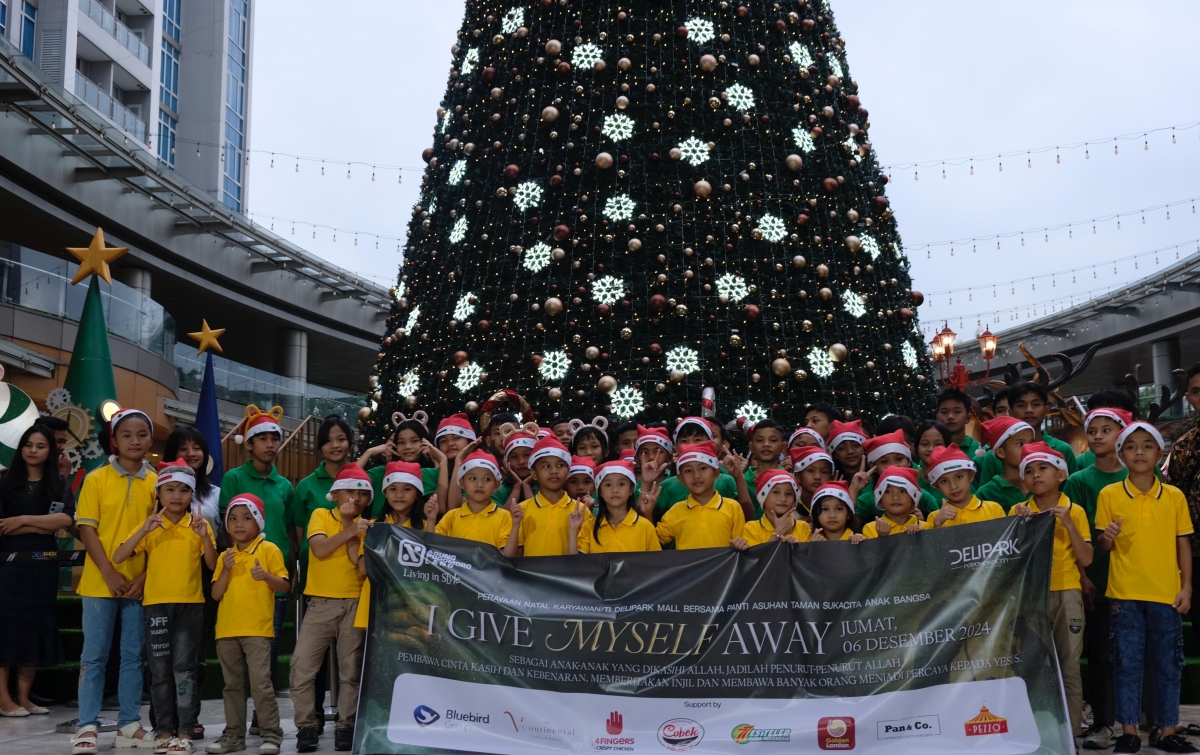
point(116, 29)
point(103, 102)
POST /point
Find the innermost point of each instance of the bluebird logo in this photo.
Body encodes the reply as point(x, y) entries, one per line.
point(425, 715)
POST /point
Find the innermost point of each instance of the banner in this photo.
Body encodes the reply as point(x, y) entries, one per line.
point(932, 643)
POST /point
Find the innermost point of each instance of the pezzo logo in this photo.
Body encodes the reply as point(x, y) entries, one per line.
point(412, 553)
point(743, 733)
point(425, 715)
point(974, 554)
point(680, 734)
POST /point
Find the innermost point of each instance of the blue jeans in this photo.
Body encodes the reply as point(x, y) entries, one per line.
point(99, 618)
point(281, 602)
point(1140, 627)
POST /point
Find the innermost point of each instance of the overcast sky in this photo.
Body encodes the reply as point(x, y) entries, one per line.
point(941, 80)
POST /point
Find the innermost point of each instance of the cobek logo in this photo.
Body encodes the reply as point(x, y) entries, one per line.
point(680, 734)
point(973, 554)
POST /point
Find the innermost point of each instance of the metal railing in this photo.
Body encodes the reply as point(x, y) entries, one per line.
point(116, 29)
point(103, 103)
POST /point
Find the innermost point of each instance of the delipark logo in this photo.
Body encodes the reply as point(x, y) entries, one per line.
point(412, 553)
point(680, 734)
point(425, 715)
point(744, 733)
point(614, 725)
point(972, 556)
point(835, 733)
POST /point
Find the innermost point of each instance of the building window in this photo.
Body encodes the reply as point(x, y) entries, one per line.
point(171, 13)
point(27, 22)
point(166, 138)
point(3, 18)
point(235, 106)
point(168, 93)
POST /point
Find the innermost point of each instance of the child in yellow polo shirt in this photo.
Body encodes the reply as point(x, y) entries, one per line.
point(706, 519)
point(173, 605)
point(541, 521)
point(479, 518)
point(245, 582)
point(403, 489)
point(331, 599)
point(1145, 524)
point(832, 511)
point(1043, 471)
point(951, 472)
point(896, 494)
point(777, 494)
point(619, 528)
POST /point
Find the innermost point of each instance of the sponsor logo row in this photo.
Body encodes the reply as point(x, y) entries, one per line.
point(683, 734)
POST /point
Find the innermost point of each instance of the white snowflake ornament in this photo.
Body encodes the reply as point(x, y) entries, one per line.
point(554, 365)
point(820, 362)
point(683, 359)
point(751, 412)
point(700, 30)
point(695, 152)
point(527, 195)
point(853, 303)
point(412, 319)
point(468, 376)
point(732, 287)
point(772, 228)
point(586, 55)
point(800, 54)
point(608, 290)
point(740, 97)
point(457, 171)
point(909, 355)
point(803, 139)
point(408, 384)
point(464, 308)
point(617, 127)
point(627, 402)
point(537, 257)
point(513, 20)
point(619, 207)
point(459, 231)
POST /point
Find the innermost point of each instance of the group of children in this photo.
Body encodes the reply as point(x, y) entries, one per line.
point(575, 488)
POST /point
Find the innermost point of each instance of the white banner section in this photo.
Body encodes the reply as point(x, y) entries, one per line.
point(992, 716)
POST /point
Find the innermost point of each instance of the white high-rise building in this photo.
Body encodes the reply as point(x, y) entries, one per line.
point(171, 75)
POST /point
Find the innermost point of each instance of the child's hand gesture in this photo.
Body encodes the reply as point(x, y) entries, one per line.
point(790, 539)
point(945, 514)
point(431, 508)
point(648, 499)
point(360, 526)
point(588, 501)
point(652, 470)
point(857, 538)
point(785, 462)
point(153, 522)
point(882, 526)
point(575, 519)
point(228, 559)
point(430, 451)
point(199, 526)
point(466, 451)
point(739, 544)
point(784, 525)
point(1062, 513)
point(912, 529)
point(1022, 510)
point(518, 513)
point(818, 534)
point(861, 479)
point(259, 573)
point(1113, 529)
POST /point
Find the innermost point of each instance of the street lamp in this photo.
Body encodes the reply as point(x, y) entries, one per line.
point(957, 376)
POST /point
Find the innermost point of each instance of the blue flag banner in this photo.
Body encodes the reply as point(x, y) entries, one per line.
point(208, 423)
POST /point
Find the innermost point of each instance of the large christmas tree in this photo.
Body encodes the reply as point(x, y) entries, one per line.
point(627, 202)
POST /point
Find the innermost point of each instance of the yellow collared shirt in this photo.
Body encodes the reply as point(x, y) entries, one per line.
point(872, 528)
point(492, 525)
point(114, 503)
point(173, 562)
point(694, 525)
point(1064, 573)
point(635, 534)
point(975, 511)
point(334, 576)
point(364, 598)
point(247, 608)
point(761, 530)
point(1144, 564)
point(544, 529)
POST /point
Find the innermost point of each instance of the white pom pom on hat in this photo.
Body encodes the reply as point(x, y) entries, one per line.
point(239, 439)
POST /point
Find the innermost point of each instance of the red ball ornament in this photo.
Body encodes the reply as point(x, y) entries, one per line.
point(830, 185)
point(881, 203)
point(751, 312)
point(852, 102)
point(906, 314)
point(427, 154)
point(743, 11)
point(536, 359)
point(460, 358)
point(484, 325)
point(918, 298)
point(511, 172)
point(807, 24)
point(655, 349)
point(603, 309)
point(562, 233)
point(658, 302)
point(681, 32)
point(781, 25)
point(802, 219)
point(489, 74)
point(556, 180)
point(564, 67)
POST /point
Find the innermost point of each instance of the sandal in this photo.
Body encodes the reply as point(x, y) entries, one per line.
point(197, 733)
point(179, 746)
point(1192, 730)
point(82, 744)
point(37, 710)
point(127, 738)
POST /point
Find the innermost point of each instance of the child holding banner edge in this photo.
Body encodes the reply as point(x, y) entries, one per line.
point(1149, 584)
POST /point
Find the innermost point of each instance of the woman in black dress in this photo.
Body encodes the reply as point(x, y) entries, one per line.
point(34, 504)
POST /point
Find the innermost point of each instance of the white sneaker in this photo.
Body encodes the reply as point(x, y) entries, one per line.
point(267, 748)
point(1099, 738)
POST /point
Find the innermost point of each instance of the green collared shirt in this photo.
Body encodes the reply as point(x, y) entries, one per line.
point(276, 494)
point(1002, 492)
point(991, 466)
point(866, 508)
point(309, 496)
point(429, 478)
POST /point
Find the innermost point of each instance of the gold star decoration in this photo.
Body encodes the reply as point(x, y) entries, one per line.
point(95, 258)
point(207, 337)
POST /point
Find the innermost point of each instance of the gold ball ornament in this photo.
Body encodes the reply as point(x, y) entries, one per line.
point(555, 394)
point(702, 189)
point(624, 64)
point(553, 47)
point(675, 153)
point(550, 114)
point(677, 376)
point(781, 367)
point(471, 407)
point(604, 161)
point(735, 340)
point(626, 334)
point(607, 383)
point(558, 254)
point(800, 375)
point(364, 414)
point(708, 63)
point(755, 377)
point(853, 243)
point(622, 102)
point(822, 271)
point(870, 365)
point(798, 261)
point(411, 401)
point(553, 306)
point(807, 325)
point(635, 245)
point(793, 162)
point(592, 352)
point(826, 293)
point(838, 352)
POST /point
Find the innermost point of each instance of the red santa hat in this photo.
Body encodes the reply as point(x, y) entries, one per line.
point(699, 422)
point(406, 472)
point(768, 479)
point(545, 432)
point(584, 466)
point(904, 478)
point(1000, 429)
point(805, 456)
point(253, 504)
point(1120, 416)
point(549, 447)
point(656, 435)
point(455, 424)
point(519, 439)
point(175, 471)
point(623, 468)
point(479, 460)
point(839, 489)
point(1032, 452)
point(947, 459)
point(628, 455)
point(705, 453)
point(840, 432)
point(1132, 428)
point(801, 431)
point(353, 477)
point(882, 445)
point(259, 422)
point(125, 414)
